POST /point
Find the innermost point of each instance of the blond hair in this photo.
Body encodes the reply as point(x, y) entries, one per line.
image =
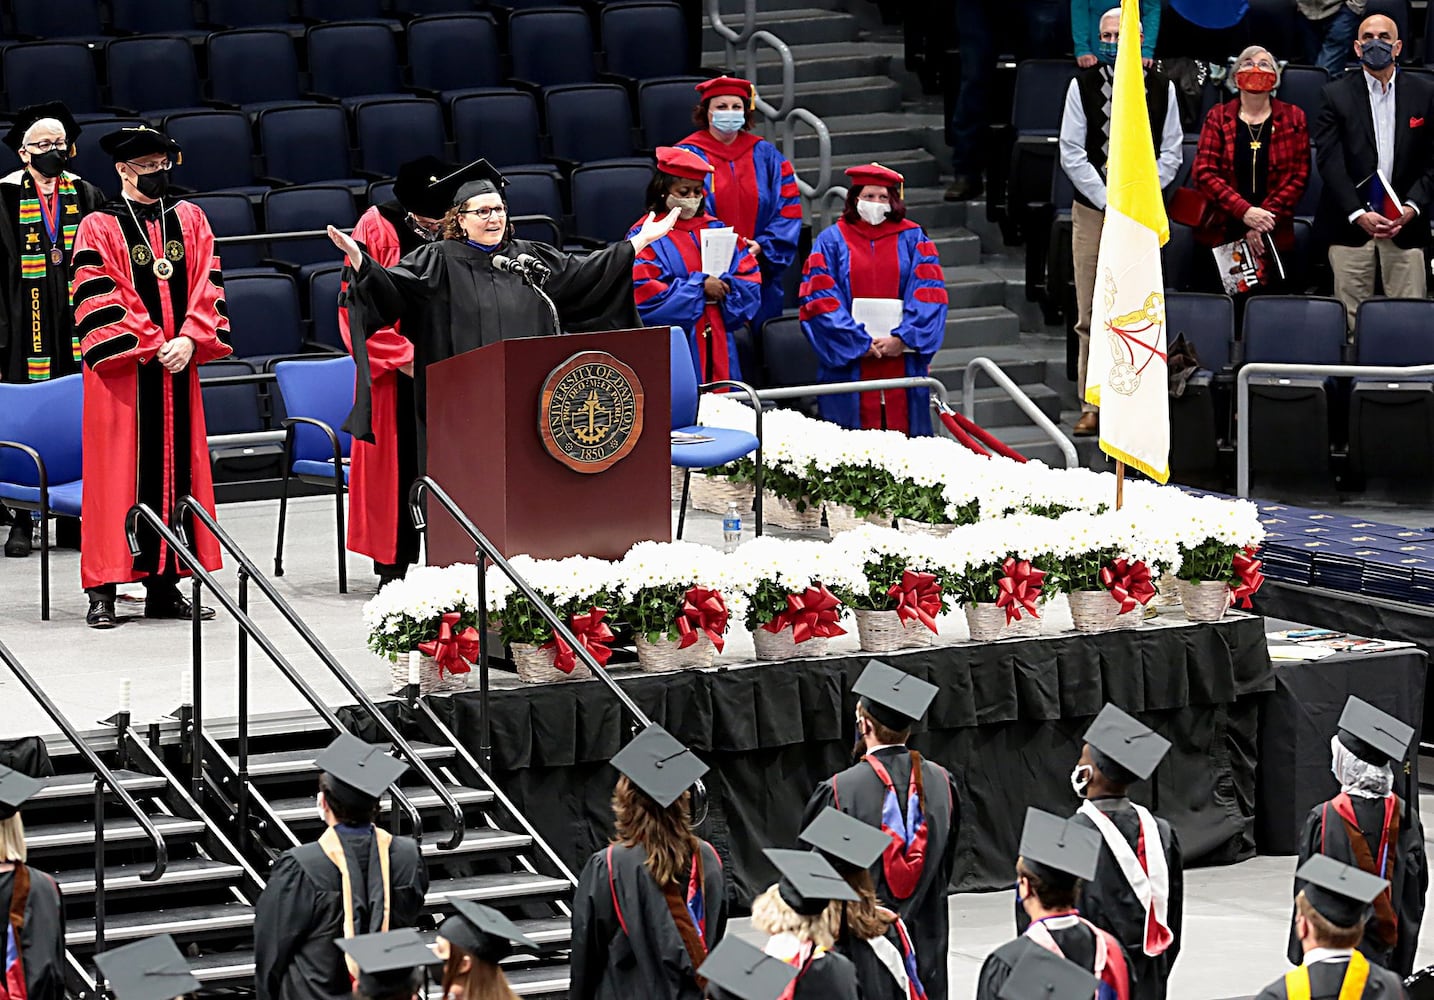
point(12, 839)
point(772, 915)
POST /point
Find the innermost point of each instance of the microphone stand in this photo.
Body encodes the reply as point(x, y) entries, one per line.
point(536, 284)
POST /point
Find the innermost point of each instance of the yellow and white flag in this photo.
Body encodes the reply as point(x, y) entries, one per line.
point(1127, 375)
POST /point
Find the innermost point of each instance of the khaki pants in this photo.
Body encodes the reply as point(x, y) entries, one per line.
point(1353, 267)
point(1086, 224)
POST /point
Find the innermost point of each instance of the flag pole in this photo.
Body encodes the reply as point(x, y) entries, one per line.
point(1119, 485)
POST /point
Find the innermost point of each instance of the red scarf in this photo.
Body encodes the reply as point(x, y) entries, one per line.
point(713, 357)
point(736, 195)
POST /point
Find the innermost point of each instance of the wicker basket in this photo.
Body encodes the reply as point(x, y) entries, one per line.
point(780, 512)
point(430, 679)
point(1028, 626)
point(986, 622)
point(1205, 600)
point(714, 493)
point(535, 665)
point(677, 473)
point(1167, 592)
point(1094, 610)
point(884, 631)
point(911, 527)
point(781, 645)
point(663, 655)
point(841, 517)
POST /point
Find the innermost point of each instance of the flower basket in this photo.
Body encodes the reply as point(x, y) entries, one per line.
point(535, 665)
point(986, 622)
point(430, 678)
point(782, 646)
point(1094, 610)
point(1205, 600)
point(677, 473)
point(1130, 619)
point(841, 517)
point(884, 631)
point(912, 527)
point(664, 655)
point(783, 513)
point(714, 493)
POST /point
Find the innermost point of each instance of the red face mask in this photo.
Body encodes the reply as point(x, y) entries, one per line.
point(1256, 81)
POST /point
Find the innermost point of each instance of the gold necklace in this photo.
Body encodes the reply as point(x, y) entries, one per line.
point(1256, 134)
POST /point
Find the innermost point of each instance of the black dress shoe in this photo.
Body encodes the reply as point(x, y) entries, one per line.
point(963, 189)
point(174, 605)
point(17, 546)
point(101, 615)
point(67, 533)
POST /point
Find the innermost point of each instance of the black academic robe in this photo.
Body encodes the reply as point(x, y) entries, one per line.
point(1327, 977)
point(452, 299)
point(858, 792)
point(633, 950)
point(300, 913)
point(1408, 881)
point(828, 976)
point(873, 977)
point(1076, 943)
point(42, 941)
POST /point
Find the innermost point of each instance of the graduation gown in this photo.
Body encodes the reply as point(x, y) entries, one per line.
point(1327, 977)
point(858, 792)
point(302, 911)
point(885, 967)
point(754, 190)
point(821, 974)
point(380, 473)
point(667, 285)
point(894, 260)
point(1324, 833)
point(37, 329)
point(143, 427)
point(452, 300)
point(625, 940)
point(1077, 943)
point(42, 939)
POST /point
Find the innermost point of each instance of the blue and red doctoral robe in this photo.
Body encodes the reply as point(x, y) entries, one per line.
point(667, 284)
point(753, 189)
point(894, 260)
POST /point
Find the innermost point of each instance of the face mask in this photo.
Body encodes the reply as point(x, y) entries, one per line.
point(872, 212)
point(153, 185)
point(729, 121)
point(687, 207)
point(50, 163)
point(1255, 81)
point(1105, 52)
point(1376, 53)
point(1080, 777)
point(319, 807)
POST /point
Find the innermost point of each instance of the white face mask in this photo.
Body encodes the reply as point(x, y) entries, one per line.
point(873, 212)
point(319, 807)
point(1080, 777)
point(686, 207)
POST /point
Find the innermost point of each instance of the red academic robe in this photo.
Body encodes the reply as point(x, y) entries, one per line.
point(143, 427)
point(373, 468)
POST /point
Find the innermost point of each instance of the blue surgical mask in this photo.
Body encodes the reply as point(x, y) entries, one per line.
point(729, 121)
point(1105, 52)
point(1376, 53)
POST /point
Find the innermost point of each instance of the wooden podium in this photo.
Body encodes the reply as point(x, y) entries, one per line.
point(486, 445)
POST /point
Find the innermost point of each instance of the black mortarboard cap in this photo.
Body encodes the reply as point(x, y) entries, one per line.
point(134, 141)
point(893, 697)
point(844, 840)
point(1057, 844)
point(32, 113)
point(745, 971)
point(365, 767)
point(809, 881)
point(478, 177)
point(389, 962)
point(483, 932)
point(1373, 735)
point(152, 969)
point(420, 186)
point(1339, 893)
point(15, 789)
point(1133, 747)
point(659, 765)
point(1044, 975)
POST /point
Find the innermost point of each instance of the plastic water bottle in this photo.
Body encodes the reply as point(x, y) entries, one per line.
point(731, 528)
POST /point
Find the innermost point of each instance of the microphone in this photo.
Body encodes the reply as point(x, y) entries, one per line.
point(503, 263)
point(534, 267)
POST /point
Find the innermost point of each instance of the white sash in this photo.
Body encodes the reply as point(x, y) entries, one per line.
point(1152, 889)
point(890, 957)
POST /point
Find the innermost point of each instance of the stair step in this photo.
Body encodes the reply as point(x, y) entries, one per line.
point(222, 967)
point(286, 762)
point(539, 980)
point(807, 25)
point(477, 841)
point(82, 786)
point(827, 61)
point(49, 837)
point(916, 165)
point(734, 10)
point(300, 809)
point(876, 136)
point(995, 409)
point(958, 248)
point(507, 885)
point(981, 326)
point(126, 878)
point(185, 921)
point(551, 930)
point(950, 367)
point(855, 96)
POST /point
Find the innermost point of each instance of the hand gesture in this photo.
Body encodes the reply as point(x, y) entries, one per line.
point(1086, 61)
point(174, 355)
point(753, 247)
point(714, 289)
point(888, 347)
point(1259, 220)
point(654, 229)
point(346, 243)
point(1376, 225)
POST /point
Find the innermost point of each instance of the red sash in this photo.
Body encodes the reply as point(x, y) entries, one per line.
point(12, 984)
point(1384, 928)
point(905, 823)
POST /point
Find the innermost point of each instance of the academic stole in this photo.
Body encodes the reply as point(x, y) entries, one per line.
point(1297, 980)
point(1384, 928)
point(1145, 871)
point(34, 259)
point(333, 848)
point(12, 984)
point(691, 927)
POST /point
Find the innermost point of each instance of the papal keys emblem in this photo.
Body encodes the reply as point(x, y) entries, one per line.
point(1134, 339)
point(590, 412)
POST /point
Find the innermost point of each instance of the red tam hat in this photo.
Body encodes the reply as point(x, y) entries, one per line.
point(875, 173)
point(682, 163)
point(729, 86)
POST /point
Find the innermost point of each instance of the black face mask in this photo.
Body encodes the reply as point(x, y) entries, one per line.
point(50, 163)
point(153, 185)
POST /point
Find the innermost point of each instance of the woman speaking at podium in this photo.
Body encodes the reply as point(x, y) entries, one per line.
point(473, 287)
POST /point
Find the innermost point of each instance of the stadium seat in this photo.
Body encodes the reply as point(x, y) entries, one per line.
point(299, 209)
point(153, 76)
point(1200, 416)
point(1040, 96)
point(57, 19)
point(1037, 105)
point(1182, 172)
point(155, 17)
point(236, 408)
point(644, 41)
point(250, 13)
point(426, 8)
point(353, 62)
point(264, 317)
point(589, 122)
point(550, 47)
point(93, 163)
point(323, 300)
point(1391, 421)
point(1309, 201)
point(393, 132)
point(789, 359)
point(52, 71)
point(1302, 86)
point(1180, 257)
point(607, 200)
point(499, 125)
point(379, 192)
point(253, 69)
point(307, 144)
point(452, 55)
point(321, 11)
point(218, 152)
point(534, 193)
point(230, 214)
point(664, 108)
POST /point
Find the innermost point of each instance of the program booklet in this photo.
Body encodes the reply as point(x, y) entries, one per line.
point(1242, 270)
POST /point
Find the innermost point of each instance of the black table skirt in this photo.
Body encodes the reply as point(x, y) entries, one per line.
point(1007, 721)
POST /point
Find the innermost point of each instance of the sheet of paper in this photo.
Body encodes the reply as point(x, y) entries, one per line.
point(879, 316)
point(718, 246)
point(1299, 652)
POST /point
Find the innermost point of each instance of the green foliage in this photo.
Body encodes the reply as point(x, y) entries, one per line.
point(1069, 574)
point(1210, 560)
point(652, 611)
point(764, 603)
point(411, 631)
point(865, 488)
point(521, 621)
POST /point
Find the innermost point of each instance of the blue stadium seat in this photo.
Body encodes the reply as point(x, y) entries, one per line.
point(153, 76)
point(379, 193)
point(454, 54)
point(1391, 421)
point(534, 195)
point(664, 108)
point(589, 122)
point(155, 17)
point(551, 46)
point(323, 301)
point(393, 132)
point(1180, 258)
point(321, 11)
point(1200, 416)
point(230, 214)
point(264, 317)
point(644, 41)
point(789, 359)
point(1040, 96)
point(499, 125)
point(250, 13)
point(607, 199)
point(1309, 201)
point(353, 63)
point(52, 71)
point(57, 19)
point(218, 151)
point(299, 209)
point(308, 144)
point(425, 8)
point(94, 164)
point(253, 69)
point(1302, 86)
point(236, 408)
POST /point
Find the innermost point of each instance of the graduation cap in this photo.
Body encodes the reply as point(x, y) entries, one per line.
point(483, 932)
point(134, 141)
point(1044, 975)
point(809, 881)
point(365, 768)
point(1373, 736)
point(659, 765)
point(15, 788)
point(1125, 749)
point(478, 177)
point(1339, 893)
point(152, 969)
point(29, 115)
point(844, 840)
point(388, 963)
point(893, 697)
point(1052, 845)
point(418, 188)
point(746, 972)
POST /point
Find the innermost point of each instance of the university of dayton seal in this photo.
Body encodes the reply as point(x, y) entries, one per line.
point(590, 412)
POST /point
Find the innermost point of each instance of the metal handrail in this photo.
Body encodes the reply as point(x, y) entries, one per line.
point(937, 387)
point(833, 199)
point(247, 630)
point(730, 37)
point(103, 776)
point(789, 75)
point(1254, 368)
point(1003, 381)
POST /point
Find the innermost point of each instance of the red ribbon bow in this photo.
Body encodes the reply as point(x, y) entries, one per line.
point(702, 610)
point(917, 596)
point(812, 614)
point(453, 651)
point(1019, 589)
point(1128, 582)
point(592, 634)
point(1247, 568)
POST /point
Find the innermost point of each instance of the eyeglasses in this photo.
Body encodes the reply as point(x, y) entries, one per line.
point(150, 168)
point(45, 147)
point(484, 214)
